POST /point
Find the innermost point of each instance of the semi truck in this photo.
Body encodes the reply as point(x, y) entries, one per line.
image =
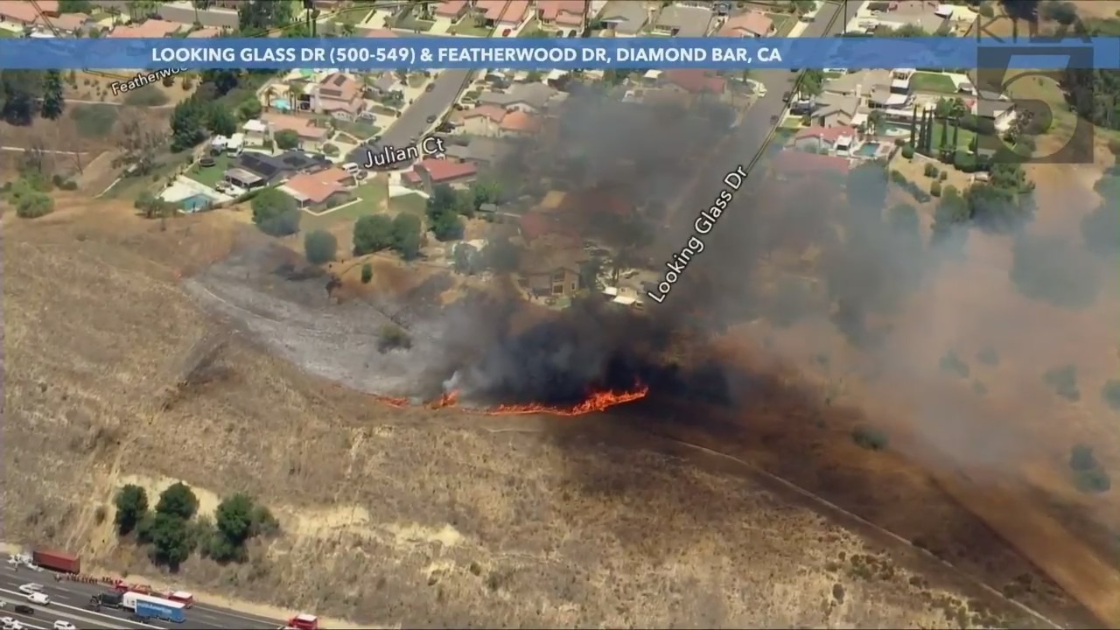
point(148, 606)
point(57, 560)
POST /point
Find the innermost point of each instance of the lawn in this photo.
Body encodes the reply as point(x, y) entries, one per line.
point(371, 194)
point(411, 204)
point(467, 26)
point(932, 82)
point(360, 130)
point(6, 33)
point(1032, 87)
point(783, 23)
point(210, 175)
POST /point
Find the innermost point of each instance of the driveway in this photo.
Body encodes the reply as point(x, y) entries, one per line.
point(414, 121)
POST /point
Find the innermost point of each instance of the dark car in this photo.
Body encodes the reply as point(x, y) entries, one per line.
point(432, 119)
point(24, 609)
point(429, 87)
point(506, 32)
point(138, 618)
point(787, 97)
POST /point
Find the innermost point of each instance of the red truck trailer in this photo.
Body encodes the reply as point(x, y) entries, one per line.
point(57, 560)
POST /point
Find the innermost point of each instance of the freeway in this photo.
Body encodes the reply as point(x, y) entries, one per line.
point(68, 601)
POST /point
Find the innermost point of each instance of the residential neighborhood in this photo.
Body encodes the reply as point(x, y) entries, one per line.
point(311, 133)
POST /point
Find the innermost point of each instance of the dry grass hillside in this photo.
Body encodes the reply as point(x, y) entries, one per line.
point(391, 516)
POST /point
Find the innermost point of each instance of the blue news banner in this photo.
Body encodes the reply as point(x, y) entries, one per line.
point(716, 53)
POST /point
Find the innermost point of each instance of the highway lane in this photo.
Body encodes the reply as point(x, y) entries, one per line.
point(68, 601)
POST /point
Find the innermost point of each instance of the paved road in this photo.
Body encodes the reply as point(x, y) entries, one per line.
point(68, 600)
point(414, 121)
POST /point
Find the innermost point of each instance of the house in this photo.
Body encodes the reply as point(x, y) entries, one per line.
point(27, 13)
point(695, 81)
point(311, 138)
point(340, 96)
point(793, 164)
point(826, 139)
point(565, 14)
point(255, 132)
point(519, 123)
point(273, 169)
point(148, 29)
point(837, 110)
point(68, 23)
point(484, 120)
point(433, 171)
point(246, 180)
point(748, 24)
point(452, 9)
point(625, 18)
point(483, 152)
point(320, 190)
point(186, 14)
point(929, 15)
point(553, 273)
point(503, 13)
point(995, 107)
point(880, 89)
point(682, 21)
point(528, 97)
point(383, 85)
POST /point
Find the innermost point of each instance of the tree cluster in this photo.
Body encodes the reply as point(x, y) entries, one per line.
point(27, 94)
point(447, 204)
point(377, 232)
point(194, 117)
point(173, 532)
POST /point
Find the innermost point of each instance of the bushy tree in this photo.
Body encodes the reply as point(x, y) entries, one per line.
point(132, 506)
point(171, 539)
point(286, 139)
point(53, 101)
point(178, 501)
point(372, 233)
point(407, 232)
point(367, 273)
point(275, 213)
point(320, 247)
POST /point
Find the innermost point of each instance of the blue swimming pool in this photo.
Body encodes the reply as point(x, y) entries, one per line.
point(281, 104)
point(195, 203)
point(868, 149)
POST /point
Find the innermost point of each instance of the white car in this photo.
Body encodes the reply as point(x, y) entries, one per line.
point(39, 598)
point(17, 625)
point(63, 625)
point(28, 589)
point(7, 622)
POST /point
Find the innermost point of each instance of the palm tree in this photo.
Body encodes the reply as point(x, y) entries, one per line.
point(875, 120)
point(269, 93)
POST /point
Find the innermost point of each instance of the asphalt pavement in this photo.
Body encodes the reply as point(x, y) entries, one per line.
point(414, 120)
point(69, 599)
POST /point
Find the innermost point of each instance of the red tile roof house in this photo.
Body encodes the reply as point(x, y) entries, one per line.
point(749, 24)
point(146, 29)
point(818, 139)
point(484, 120)
point(319, 191)
point(339, 96)
point(519, 123)
point(695, 81)
point(434, 171)
point(562, 13)
point(503, 13)
point(452, 9)
point(792, 164)
point(24, 13)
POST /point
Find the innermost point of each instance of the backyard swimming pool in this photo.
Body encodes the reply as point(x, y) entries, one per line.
point(868, 149)
point(196, 203)
point(281, 104)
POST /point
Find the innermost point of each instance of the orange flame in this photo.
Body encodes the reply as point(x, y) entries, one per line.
point(596, 401)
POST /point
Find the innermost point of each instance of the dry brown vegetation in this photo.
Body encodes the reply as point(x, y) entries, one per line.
point(411, 516)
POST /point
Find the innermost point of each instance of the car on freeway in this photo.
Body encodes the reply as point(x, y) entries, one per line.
point(28, 589)
point(6, 621)
point(39, 598)
point(64, 625)
point(23, 609)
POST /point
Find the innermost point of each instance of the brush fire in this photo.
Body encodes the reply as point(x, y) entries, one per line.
point(596, 401)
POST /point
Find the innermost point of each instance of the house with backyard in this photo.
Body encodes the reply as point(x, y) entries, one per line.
point(321, 190)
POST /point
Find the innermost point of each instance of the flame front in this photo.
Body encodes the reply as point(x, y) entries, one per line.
point(596, 401)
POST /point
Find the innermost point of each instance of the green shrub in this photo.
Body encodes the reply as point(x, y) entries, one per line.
point(908, 152)
point(1094, 481)
point(931, 170)
point(870, 439)
point(988, 356)
point(392, 337)
point(950, 362)
point(1111, 394)
point(367, 273)
point(935, 189)
point(1063, 380)
point(320, 247)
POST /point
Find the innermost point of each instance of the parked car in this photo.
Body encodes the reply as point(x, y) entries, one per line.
point(429, 87)
point(787, 97)
point(431, 119)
